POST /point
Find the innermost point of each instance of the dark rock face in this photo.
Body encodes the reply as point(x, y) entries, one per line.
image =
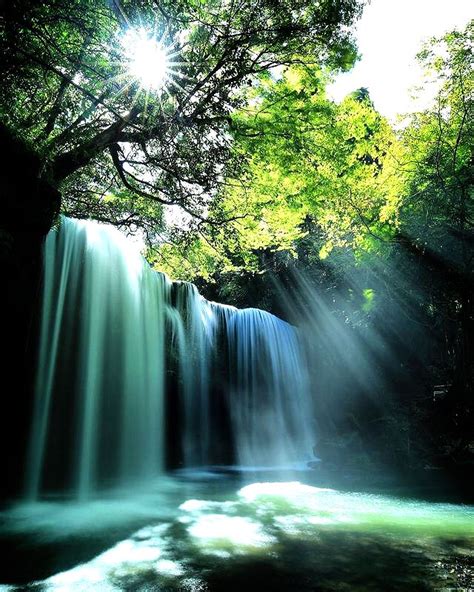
point(28, 206)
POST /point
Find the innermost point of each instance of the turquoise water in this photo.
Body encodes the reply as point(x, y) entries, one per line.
point(208, 533)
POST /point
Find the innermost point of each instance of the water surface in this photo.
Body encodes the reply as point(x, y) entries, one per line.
point(215, 532)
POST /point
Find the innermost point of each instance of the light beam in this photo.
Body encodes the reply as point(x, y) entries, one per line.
point(147, 59)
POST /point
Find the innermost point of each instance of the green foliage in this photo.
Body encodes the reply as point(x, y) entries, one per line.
point(305, 158)
point(317, 179)
point(438, 211)
point(66, 91)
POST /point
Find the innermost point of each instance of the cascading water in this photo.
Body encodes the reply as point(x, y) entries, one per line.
point(269, 399)
point(100, 383)
point(198, 341)
point(112, 332)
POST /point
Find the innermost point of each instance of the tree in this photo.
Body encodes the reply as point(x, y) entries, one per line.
point(121, 154)
point(438, 211)
point(437, 215)
point(306, 159)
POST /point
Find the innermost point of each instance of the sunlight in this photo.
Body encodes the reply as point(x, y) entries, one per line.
point(239, 534)
point(147, 58)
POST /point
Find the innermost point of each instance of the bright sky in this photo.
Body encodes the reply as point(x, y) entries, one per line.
point(389, 35)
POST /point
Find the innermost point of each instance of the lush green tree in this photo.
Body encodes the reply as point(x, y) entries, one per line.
point(118, 152)
point(306, 158)
point(437, 214)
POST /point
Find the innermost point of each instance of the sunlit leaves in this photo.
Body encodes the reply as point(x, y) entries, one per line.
point(438, 209)
point(307, 156)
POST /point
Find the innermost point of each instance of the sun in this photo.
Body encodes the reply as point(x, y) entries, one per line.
point(147, 59)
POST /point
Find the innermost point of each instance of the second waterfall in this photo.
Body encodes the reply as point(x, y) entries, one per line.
point(136, 373)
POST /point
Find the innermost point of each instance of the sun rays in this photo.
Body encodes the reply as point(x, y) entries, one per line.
point(147, 59)
point(149, 68)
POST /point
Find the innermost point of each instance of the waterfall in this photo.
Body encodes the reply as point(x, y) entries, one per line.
point(269, 399)
point(199, 323)
point(121, 345)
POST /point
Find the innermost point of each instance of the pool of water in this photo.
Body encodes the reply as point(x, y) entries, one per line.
point(216, 532)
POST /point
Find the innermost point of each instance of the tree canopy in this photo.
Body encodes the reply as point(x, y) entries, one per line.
point(345, 170)
point(306, 159)
point(120, 153)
